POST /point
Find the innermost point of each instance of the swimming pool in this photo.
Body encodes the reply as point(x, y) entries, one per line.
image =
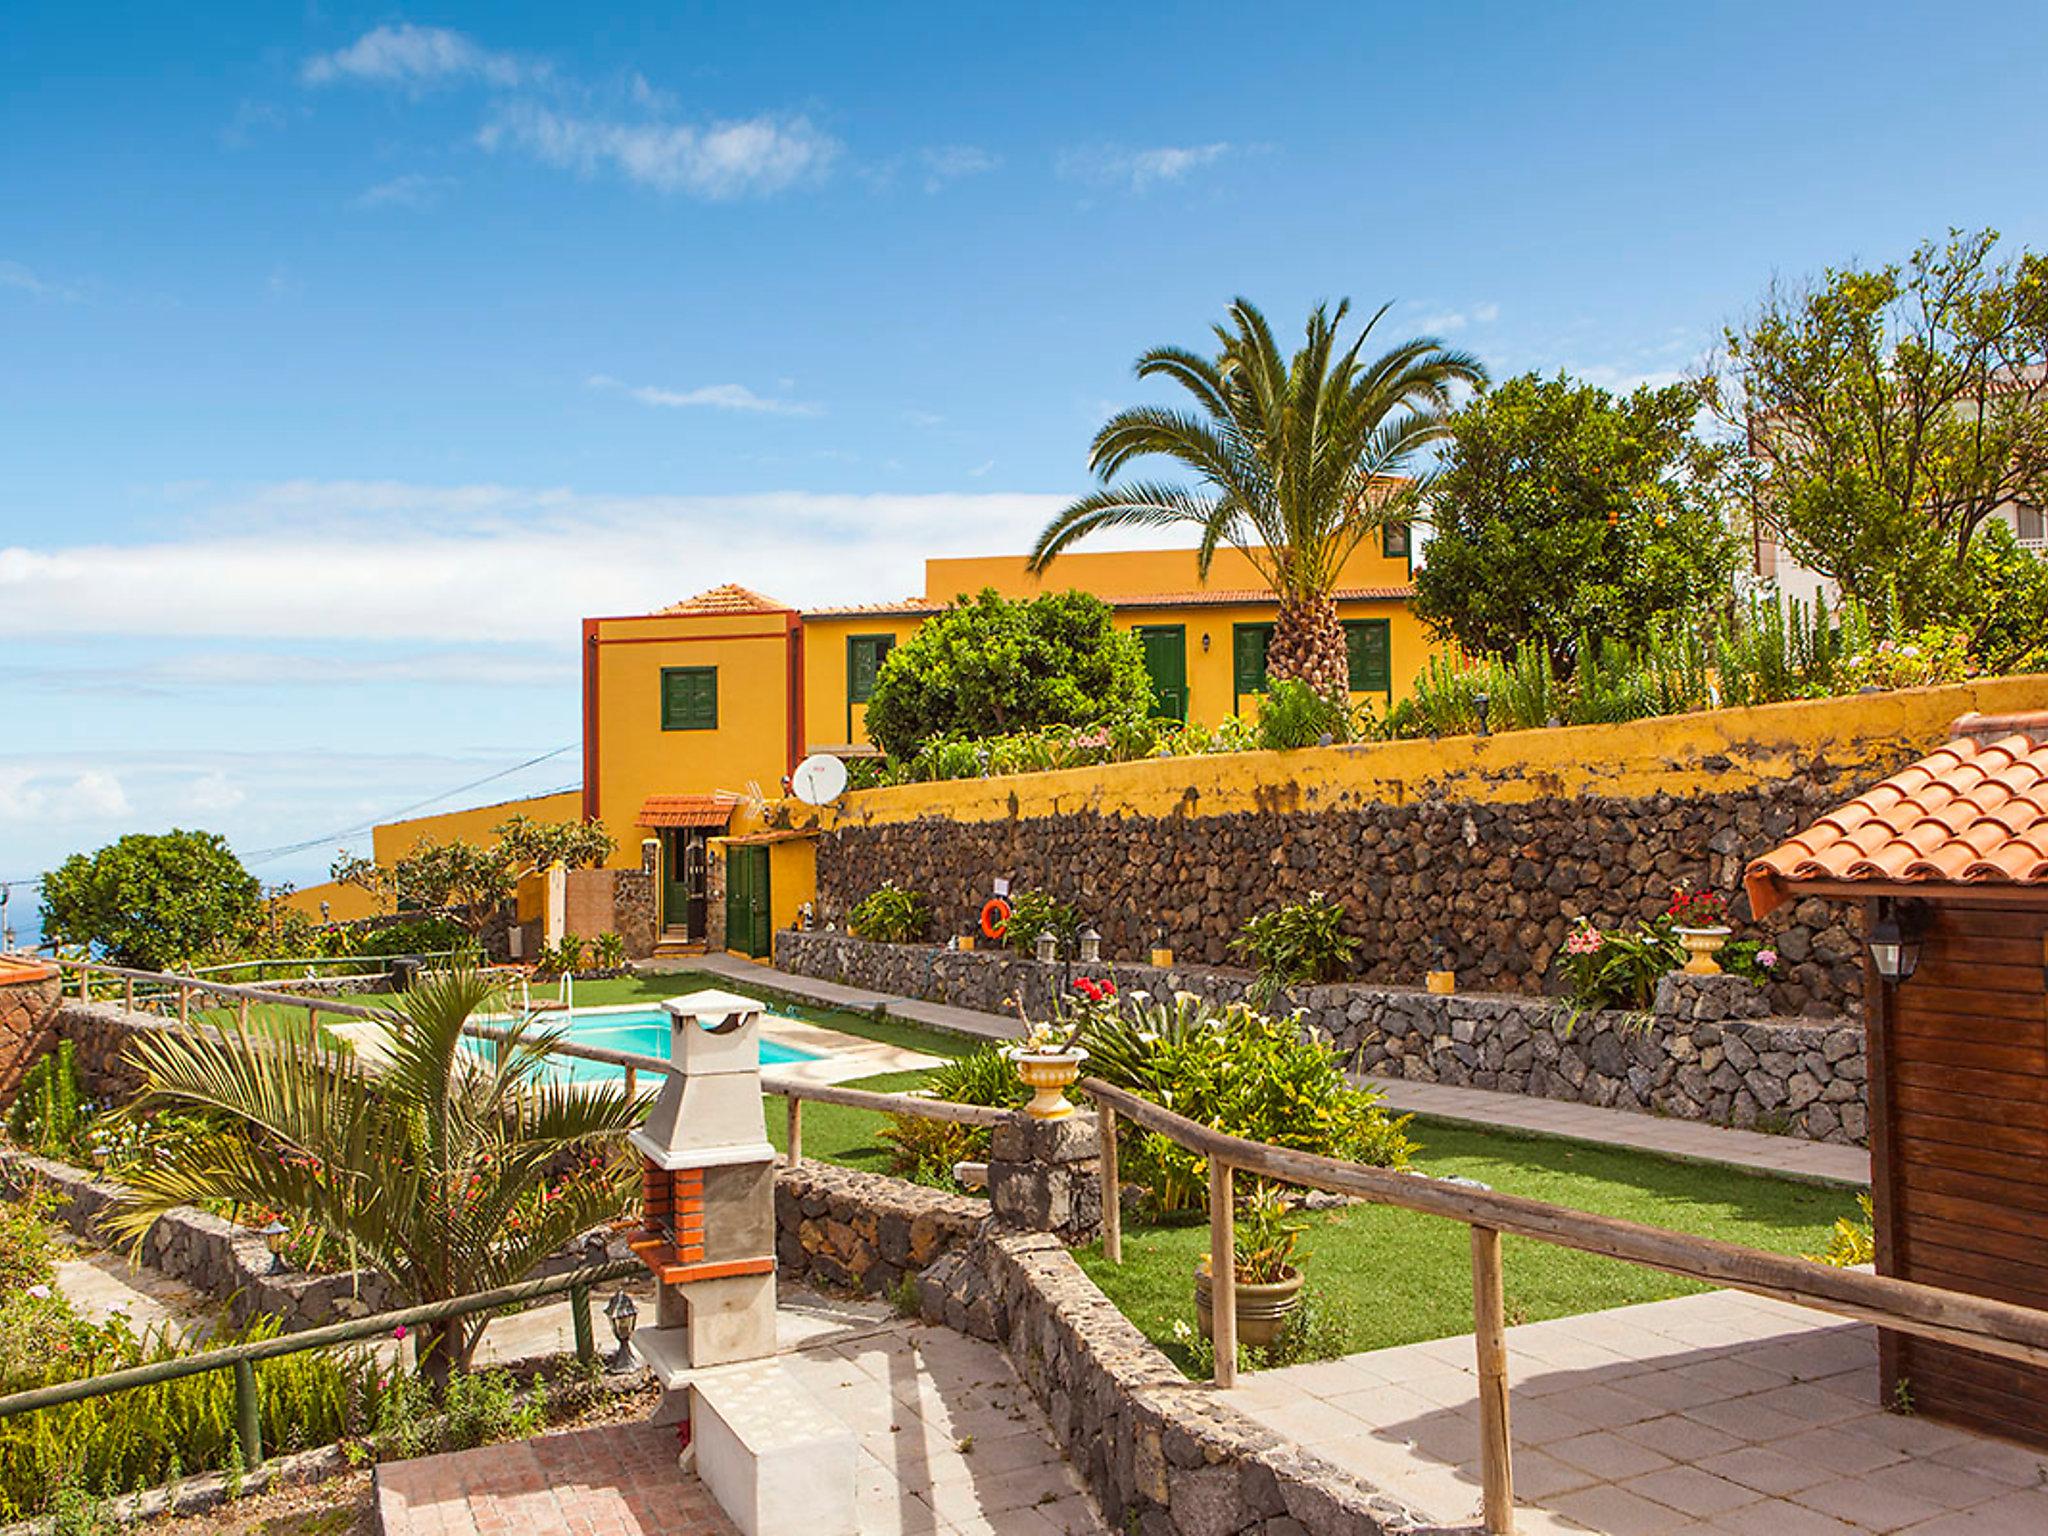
point(641, 1030)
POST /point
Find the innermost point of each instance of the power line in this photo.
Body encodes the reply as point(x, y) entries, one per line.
point(266, 855)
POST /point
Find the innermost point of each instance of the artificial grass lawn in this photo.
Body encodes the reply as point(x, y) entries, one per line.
point(1399, 1277)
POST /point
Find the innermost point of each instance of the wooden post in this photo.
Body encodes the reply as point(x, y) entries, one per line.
point(1223, 1270)
point(248, 1416)
point(242, 1010)
point(579, 1312)
point(632, 1085)
point(313, 1021)
point(1497, 1481)
point(184, 1004)
point(1112, 1207)
point(796, 1130)
point(128, 993)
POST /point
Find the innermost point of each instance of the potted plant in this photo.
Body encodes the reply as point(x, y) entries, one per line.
point(1268, 1279)
point(1700, 919)
point(1048, 1058)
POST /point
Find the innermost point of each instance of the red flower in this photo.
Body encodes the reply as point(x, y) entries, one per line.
point(1088, 989)
point(1108, 989)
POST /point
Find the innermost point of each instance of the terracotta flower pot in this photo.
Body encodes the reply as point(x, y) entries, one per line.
point(1262, 1310)
point(1701, 945)
point(1047, 1073)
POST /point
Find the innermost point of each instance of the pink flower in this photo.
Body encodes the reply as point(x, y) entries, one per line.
point(398, 1332)
point(1767, 958)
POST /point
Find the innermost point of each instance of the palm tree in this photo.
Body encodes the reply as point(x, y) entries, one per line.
point(1298, 462)
point(449, 1169)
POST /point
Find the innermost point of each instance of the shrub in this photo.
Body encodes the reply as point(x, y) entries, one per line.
point(1035, 912)
point(890, 915)
point(27, 1249)
point(564, 957)
point(1243, 1072)
point(926, 1150)
point(45, 1112)
point(1293, 715)
point(610, 950)
point(1617, 968)
point(1934, 654)
point(151, 900)
point(1303, 942)
point(1852, 1241)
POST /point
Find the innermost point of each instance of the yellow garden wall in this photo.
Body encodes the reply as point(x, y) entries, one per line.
point(345, 903)
point(393, 840)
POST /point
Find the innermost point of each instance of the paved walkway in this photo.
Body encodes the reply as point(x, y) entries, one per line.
point(1788, 1156)
point(1720, 1414)
point(951, 1444)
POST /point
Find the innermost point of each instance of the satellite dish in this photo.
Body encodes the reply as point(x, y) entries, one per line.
point(819, 779)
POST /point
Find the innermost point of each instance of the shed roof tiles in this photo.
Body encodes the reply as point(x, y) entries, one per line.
point(730, 598)
point(1974, 811)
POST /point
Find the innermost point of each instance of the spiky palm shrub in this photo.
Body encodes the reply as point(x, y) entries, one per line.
point(451, 1170)
point(1297, 461)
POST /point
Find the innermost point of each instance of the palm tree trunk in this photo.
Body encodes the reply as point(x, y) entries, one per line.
point(1308, 644)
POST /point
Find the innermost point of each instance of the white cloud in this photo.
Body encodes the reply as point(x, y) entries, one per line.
point(721, 397)
point(1444, 322)
point(753, 157)
point(14, 275)
point(408, 55)
point(412, 190)
point(251, 119)
point(981, 470)
point(27, 795)
point(955, 162)
point(213, 793)
point(1137, 168)
point(473, 566)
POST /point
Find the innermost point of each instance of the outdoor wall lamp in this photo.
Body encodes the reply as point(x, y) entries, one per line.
point(624, 1317)
point(1048, 947)
point(273, 1237)
point(1205, 642)
point(1481, 702)
point(1895, 946)
point(1091, 946)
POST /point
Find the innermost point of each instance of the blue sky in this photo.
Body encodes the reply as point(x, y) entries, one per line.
point(348, 355)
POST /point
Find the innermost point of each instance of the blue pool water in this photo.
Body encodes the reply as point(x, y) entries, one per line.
point(642, 1030)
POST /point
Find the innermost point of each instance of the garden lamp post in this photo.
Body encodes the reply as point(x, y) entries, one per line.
point(273, 1236)
point(1481, 702)
point(1091, 947)
point(1047, 947)
point(1894, 946)
point(624, 1316)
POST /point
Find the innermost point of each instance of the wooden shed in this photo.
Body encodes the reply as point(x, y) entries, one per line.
point(1949, 859)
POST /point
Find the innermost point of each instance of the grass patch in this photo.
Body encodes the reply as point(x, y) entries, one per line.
point(1400, 1277)
point(836, 1134)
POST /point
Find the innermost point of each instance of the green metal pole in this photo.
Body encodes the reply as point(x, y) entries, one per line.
point(579, 1309)
point(248, 1415)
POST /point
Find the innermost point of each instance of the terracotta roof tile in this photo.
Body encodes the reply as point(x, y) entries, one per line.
point(1974, 810)
point(712, 810)
point(730, 598)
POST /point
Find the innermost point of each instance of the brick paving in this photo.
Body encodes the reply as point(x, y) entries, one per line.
point(1713, 1415)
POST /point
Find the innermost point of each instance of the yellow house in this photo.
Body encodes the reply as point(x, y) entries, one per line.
point(710, 703)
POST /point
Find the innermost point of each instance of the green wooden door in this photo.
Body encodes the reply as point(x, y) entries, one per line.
point(746, 901)
point(1166, 663)
point(675, 889)
point(1248, 643)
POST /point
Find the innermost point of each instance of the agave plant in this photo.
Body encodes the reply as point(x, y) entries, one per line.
point(450, 1170)
point(1298, 462)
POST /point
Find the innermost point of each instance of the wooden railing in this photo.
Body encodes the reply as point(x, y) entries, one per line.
point(860, 1098)
point(1975, 1322)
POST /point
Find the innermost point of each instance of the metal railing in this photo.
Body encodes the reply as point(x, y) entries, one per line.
point(1975, 1322)
point(241, 1359)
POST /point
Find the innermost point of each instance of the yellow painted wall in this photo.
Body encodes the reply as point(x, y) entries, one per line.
point(1128, 573)
point(1711, 752)
point(829, 720)
point(345, 903)
point(393, 840)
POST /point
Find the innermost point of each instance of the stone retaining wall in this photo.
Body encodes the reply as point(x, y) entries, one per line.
point(850, 1230)
point(1708, 1051)
point(207, 1252)
point(28, 998)
point(1496, 885)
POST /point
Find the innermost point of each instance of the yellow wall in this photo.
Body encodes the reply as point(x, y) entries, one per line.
point(1711, 752)
point(393, 840)
point(1129, 573)
point(829, 719)
point(637, 758)
point(345, 903)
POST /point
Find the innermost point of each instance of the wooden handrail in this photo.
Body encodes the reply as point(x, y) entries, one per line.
point(1974, 1322)
point(887, 1103)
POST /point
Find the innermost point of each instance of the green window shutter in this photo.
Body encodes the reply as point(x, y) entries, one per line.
point(864, 657)
point(689, 698)
point(1368, 645)
point(1248, 657)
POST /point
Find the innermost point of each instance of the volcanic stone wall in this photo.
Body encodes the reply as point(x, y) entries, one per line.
point(1492, 887)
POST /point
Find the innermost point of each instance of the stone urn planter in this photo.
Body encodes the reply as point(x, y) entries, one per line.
point(1048, 1074)
point(1262, 1310)
point(1701, 945)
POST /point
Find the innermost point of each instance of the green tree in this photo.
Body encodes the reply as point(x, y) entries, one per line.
point(152, 899)
point(450, 1170)
point(1297, 461)
point(1890, 411)
point(988, 665)
point(544, 844)
point(467, 880)
point(1562, 509)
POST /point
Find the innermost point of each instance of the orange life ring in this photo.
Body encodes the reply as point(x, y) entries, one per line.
point(995, 917)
